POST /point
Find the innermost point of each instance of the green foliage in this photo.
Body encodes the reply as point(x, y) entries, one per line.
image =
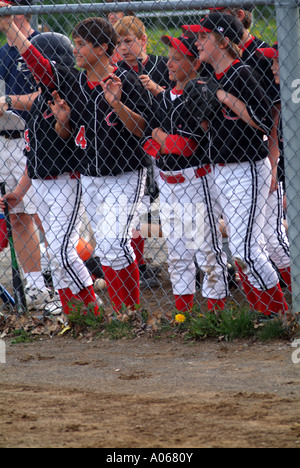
point(272, 330)
point(22, 336)
point(82, 318)
point(116, 330)
point(229, 324)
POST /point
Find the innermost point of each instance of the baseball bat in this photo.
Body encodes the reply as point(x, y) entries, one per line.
point(6, 297)
point(18, 286)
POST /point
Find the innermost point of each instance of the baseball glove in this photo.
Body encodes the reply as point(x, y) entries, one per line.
point(201, 98)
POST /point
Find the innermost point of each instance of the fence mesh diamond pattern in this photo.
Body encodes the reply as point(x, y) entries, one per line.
point(142, 163)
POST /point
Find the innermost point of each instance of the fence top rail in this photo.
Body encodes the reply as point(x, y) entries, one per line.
point(146, 6)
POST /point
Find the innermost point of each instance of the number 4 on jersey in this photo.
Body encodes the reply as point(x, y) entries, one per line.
point(80, 139)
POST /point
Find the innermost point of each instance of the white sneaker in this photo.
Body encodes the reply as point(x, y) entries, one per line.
point(36, 298)
point(53, 307)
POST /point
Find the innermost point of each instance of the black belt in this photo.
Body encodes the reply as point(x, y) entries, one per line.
point(11, 134)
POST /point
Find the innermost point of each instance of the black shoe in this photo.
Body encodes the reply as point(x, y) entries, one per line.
point(148, 276)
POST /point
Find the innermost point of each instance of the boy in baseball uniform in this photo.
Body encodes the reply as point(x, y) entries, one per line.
point(153, 73)
point(240, 156)
point(188, 202)
point(16, 93)
point(277, 239)
point(51, 165)
point(109, 157)
point(131, 45)
point(275, 235)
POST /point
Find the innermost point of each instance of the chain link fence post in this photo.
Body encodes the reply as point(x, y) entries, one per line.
point(166, 17)
point(288, 31)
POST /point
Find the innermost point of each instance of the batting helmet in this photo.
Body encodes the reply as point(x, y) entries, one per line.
point(55, 47)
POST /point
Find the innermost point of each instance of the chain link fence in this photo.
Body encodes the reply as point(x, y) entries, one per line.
point(142, 158)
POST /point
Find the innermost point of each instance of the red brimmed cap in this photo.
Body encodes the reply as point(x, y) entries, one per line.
point(222, 23)
point(269, 52)
point(185, 45)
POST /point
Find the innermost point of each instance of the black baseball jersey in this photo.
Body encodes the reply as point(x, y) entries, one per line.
point(100, 143)
point(170, 115)
point(155, 67)
point(261, 66)
point(104, 146)
point(232, 139)
point(47, 154)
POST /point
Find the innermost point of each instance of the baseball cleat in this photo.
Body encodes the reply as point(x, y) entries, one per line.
point(53, 308)
point(37, 298)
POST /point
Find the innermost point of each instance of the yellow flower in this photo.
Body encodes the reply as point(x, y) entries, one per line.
point(180, 318)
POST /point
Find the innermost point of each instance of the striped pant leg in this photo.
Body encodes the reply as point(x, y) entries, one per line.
point(60, 209)
point(189, 224)
point(244, 188)
point(211, 257)
point(112, 203)
point(277, 243)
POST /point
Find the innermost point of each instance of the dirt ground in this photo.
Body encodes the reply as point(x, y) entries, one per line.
point(147, 393)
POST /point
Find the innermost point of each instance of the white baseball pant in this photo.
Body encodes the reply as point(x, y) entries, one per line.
point(189, 211)
point(111, 203)
point(244, 189)
point(277, 243)
point(60, 209)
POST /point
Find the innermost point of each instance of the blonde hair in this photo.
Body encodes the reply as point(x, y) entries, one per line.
point(130, 25)
point(232, 48)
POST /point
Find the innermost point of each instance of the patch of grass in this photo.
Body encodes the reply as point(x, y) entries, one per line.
point(229, 324)
point(82, 318)
point(116, 330)
point(232, 323)
point(272, 330)
point(22, 336)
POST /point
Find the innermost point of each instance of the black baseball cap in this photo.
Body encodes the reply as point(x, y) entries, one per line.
point(269, 52)
point(185, 45)
point(222, 23)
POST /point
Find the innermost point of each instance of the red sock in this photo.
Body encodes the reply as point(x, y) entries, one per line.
point(184, 303)
point(250, 291)
point(286, 276)
point(113, 286)
point(215, 304)
point(87, 296)
point(272, 300)
point(65, 296)
point(130, 285)
point(138, 245)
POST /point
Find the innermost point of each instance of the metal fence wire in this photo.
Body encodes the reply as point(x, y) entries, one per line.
point(149, 158)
